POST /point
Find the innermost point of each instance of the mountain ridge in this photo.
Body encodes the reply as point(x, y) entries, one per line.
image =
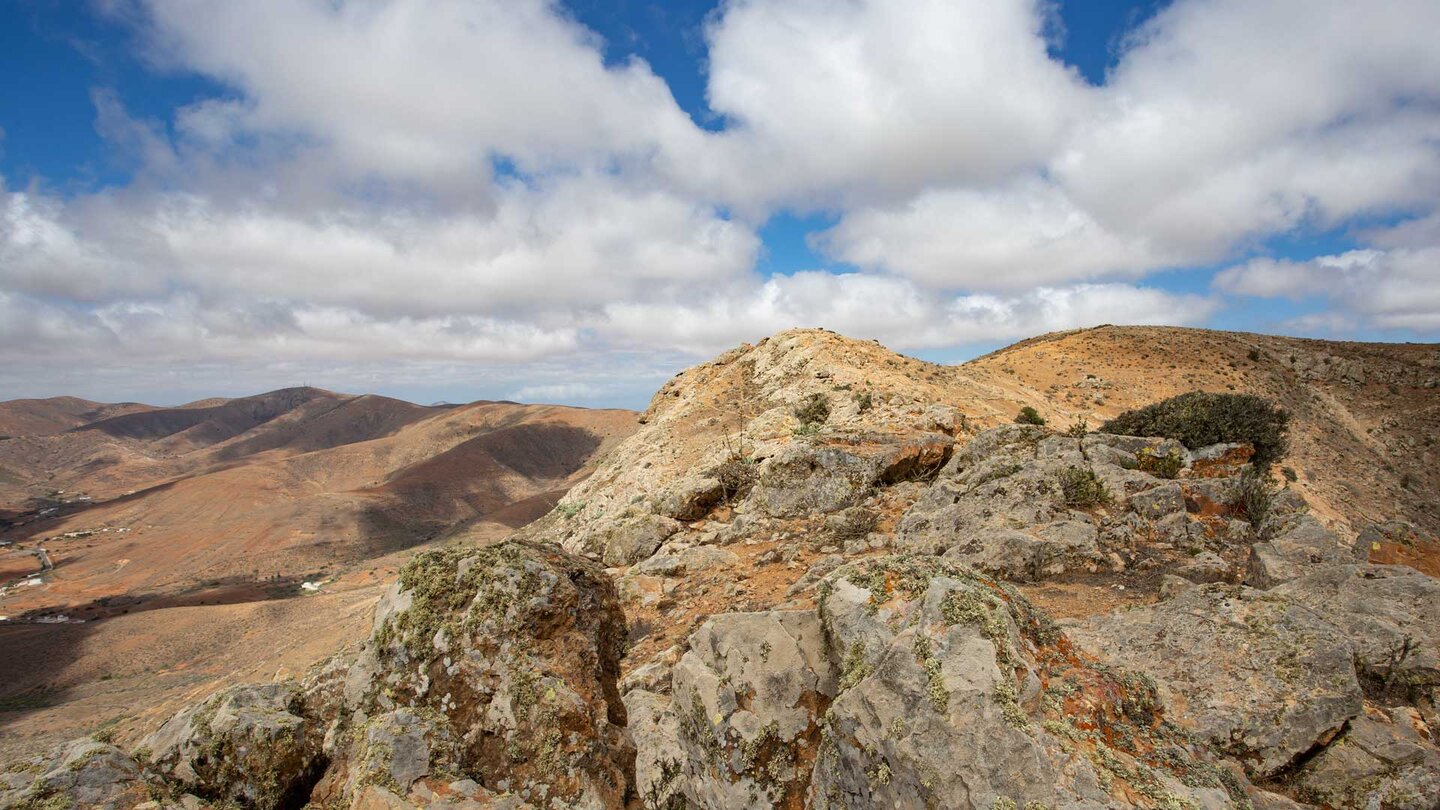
point(796, 489)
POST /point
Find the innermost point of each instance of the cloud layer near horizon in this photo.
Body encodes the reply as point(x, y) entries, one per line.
point(341, 206)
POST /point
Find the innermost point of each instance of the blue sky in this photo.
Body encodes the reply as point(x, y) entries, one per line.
point(459, 200)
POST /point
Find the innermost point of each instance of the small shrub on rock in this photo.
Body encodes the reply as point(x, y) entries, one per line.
point(1078, 429)
point(1029, 416)
point(1199, 419)
point(736, 474)
point(1254, 496)
point(854, 523)
point(1081, 488)
point(814, 411)
point(1166, 466)
point(864, 401)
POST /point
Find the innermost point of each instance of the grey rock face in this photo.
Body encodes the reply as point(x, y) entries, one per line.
point(802, 479)
point(629, 541)
point(513, 652)
point(1159, 502)
point(659, 759)
point(248, 744)
point(1260, 677)
point(998, 504)
point(80, 773)
point(396, 748)
point(950, 695)
point(691, 498)
point(748, 696)
point(1390, 617)
point(1267, 567)
point(1205, 567)
point(1296, 543)
point(1383, 760)
point(917, 683)
point(683, 561)
point(490, 680)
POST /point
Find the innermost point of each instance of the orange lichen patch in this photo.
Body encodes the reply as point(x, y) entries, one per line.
point(756, 582)
point(1115, 719)
point(1198, 504)
point(1422, 554)
point(1225, 466)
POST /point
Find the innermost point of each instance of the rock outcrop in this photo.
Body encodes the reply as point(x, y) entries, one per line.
point(82, 773)
point(497, 665)
point(1261, 678)
point(490, 681)
point(827, 587)
point(916, 683)
point(250, 745)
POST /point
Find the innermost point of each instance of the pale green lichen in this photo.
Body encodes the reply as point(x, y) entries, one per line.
point(855, 668)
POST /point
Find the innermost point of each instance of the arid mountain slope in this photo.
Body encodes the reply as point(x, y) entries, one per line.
point(822, 575)
point(1365, 416)
point(38, 417)
point(847, 580)
point(193, 517)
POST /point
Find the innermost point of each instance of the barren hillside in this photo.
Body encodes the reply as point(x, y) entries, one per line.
point(37, 417)
point(195, 517)
point(1366, 416)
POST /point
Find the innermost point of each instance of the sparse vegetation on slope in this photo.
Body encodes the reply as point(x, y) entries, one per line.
point(1029, 416)
point(814, 411)
point(1081, 488)
point(1199, 419)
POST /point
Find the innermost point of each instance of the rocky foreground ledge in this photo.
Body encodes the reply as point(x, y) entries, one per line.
point(762, 602)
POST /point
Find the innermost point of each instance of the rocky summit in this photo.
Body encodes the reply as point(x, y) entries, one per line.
point(822, 575)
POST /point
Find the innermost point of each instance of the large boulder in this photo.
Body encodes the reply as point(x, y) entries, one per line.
point(631, 540)
point(1297, 544)
point(1385, 759)
point(748, 696)
point(955, 692)
point(251, 745)
point(916, 683)
point(803, 479)
point(999, 505)
point(80, 773)
point(1259, 677)
point(489, 680)
point(507, 657)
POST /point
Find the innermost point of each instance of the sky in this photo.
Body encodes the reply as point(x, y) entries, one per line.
point(449, 200)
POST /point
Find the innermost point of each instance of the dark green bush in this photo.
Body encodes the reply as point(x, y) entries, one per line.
point(1199, 419)
point(1029, 416)
point(814, 411)
point(1080, 487)
point(1078, 429)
